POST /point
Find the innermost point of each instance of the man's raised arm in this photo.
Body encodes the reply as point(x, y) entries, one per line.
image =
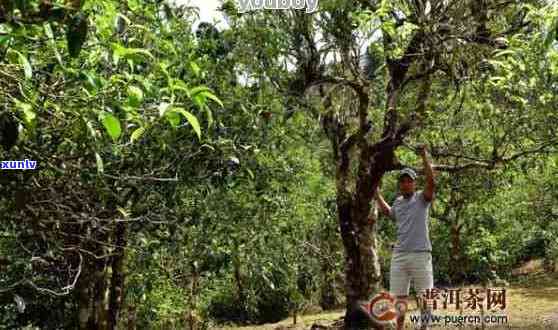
point(384, 207)
point(429, 173)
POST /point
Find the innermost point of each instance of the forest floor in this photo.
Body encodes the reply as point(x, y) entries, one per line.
point(531, 303)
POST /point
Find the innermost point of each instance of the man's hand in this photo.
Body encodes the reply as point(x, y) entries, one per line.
point(384, 207)
point(377, 191)
point(421, 150)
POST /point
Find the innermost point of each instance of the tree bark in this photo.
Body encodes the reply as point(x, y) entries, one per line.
point(99, 302)
point(118, 276)
point(131, 317)
point(357, 227)
point(84, 306)
point(362, 268)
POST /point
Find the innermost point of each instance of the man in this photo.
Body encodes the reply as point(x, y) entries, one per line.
point(412, 254)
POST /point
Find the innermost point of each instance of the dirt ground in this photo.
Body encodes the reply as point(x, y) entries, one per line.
point(531, 303)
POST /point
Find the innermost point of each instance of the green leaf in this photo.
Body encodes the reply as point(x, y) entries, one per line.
point(91, 129)
point(4, 39)
point(199, 100)
point(504, 52)
point(195, 68)
point(200, 93)
point(48, 31)
point(199, 89)
point(52, 42)
point(92, 81)
point(29, 114)
point(99, 161)
point(212, 96)
point(178, 84)
point(163, 107)
point(552, 35)
point(134, 54)
point(209, 117)
point(137, 134)
point(27, 70)
point(135, 96)
point(193, 120)
point(173, 117)
point(125, 213)
point(112, 125)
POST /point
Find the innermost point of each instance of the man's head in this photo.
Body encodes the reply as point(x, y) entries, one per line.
point(407, 178)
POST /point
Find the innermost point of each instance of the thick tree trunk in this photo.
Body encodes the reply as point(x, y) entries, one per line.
point(99, 301)
point(84, 307)
point(118, 276)
point(87, 295)
point(91, 288)
point(362, 268)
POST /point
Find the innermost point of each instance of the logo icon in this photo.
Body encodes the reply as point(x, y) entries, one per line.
point(385, 308)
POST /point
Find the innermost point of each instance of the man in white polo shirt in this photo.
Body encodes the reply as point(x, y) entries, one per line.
point(412, 254)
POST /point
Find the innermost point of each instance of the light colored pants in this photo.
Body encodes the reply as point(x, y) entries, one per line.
point(407, 266)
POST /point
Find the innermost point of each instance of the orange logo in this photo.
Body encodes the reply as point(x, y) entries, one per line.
point(384, 307)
